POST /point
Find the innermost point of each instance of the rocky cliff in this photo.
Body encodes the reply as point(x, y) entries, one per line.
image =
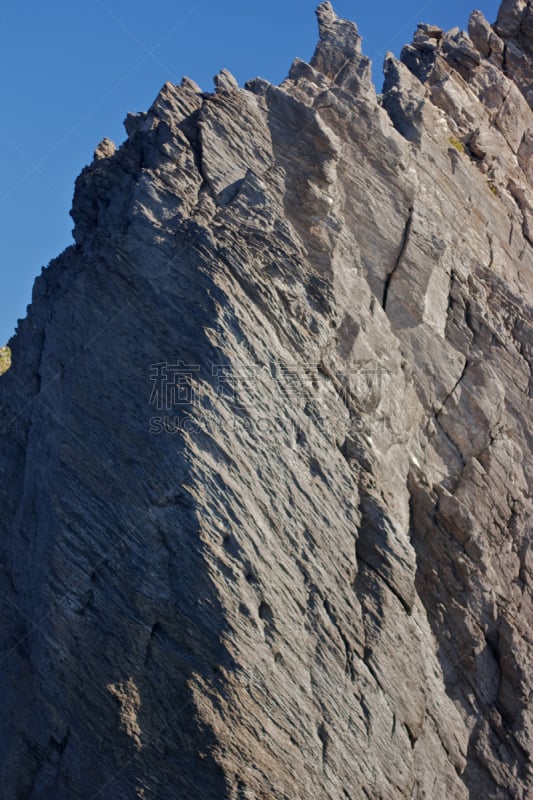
point(265, 442)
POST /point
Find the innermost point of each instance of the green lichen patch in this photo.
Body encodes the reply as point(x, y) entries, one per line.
point(457, 143)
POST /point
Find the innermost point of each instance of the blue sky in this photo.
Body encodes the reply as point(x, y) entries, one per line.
point(72, 70)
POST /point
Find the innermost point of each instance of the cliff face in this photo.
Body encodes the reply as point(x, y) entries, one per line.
point(265, 442)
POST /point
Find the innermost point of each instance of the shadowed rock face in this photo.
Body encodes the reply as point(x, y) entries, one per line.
point(265, 442)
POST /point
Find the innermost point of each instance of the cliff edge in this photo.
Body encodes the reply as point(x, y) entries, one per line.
point(265, 442)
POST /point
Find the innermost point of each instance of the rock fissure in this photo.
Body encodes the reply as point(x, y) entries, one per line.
point(403, 248)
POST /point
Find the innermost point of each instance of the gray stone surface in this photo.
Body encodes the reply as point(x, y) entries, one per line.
point(314, 581)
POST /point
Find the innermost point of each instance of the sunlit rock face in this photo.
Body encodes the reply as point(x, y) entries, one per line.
point(5, 359)
point(265, 443)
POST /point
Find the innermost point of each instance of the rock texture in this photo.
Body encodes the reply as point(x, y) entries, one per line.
point(265, 442)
